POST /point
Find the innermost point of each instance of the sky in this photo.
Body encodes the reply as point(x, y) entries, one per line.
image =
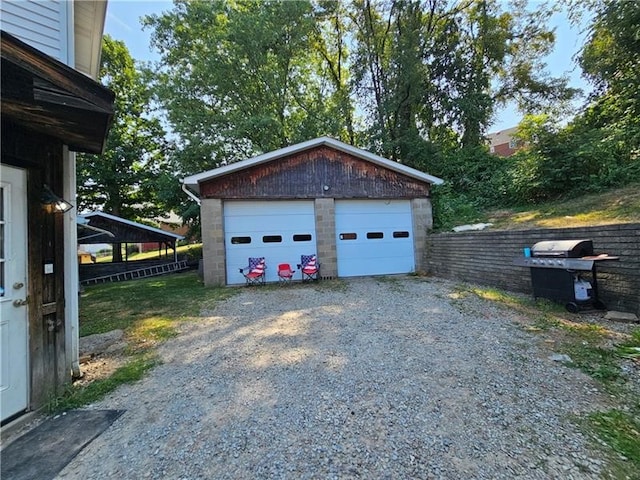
point(123, 23)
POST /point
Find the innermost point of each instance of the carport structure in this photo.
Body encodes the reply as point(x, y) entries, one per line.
point(361, 213)
point(128, 232)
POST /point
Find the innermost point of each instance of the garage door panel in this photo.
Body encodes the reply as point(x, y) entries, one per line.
point(273, 224)
point(389, 248)
point(260, 208)
point(282, 220)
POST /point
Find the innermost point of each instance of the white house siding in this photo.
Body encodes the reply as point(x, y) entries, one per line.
point(41, 24)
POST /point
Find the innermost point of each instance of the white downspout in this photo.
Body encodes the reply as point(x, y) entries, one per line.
point(71, 277)
point(191, 195)
point(70, 229)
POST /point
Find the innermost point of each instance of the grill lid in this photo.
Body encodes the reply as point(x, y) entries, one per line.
point(563, 248)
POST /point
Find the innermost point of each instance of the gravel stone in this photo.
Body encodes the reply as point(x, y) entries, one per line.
point(385, 378)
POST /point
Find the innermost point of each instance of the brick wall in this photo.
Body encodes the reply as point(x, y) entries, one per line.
point(486, 258)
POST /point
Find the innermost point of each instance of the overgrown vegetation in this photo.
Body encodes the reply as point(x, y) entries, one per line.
point(599, 149)
point(147, 310)
point(620, 205)
point(601, 354)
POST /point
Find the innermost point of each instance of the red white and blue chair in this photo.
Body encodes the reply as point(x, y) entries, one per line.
point(254, 273)
point(309, 267)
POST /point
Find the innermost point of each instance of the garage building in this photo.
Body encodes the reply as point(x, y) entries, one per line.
point(361, 213)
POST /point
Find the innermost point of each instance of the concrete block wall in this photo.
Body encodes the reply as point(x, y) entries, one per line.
point(422, 217)
point(486, 258)
point(325, 211)
point(213, 254)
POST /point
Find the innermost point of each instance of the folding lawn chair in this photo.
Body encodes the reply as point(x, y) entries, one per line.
point(310, 267)
point(254, 272)
point(285, 273)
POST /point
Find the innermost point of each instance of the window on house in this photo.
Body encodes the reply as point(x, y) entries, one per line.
point(373, 235)
point(513, 144)
point(400, 234)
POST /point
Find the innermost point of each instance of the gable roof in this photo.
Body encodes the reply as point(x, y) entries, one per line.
point(193, 181)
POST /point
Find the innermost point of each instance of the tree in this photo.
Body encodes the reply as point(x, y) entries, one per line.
point(331, 36)
point(123, 181)
point(610, 60)
point(425, 68)
point(242, 77)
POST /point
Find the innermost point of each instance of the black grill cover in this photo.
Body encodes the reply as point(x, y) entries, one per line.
point(563, 248)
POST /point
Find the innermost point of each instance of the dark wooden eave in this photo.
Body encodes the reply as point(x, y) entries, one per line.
point(45, 95)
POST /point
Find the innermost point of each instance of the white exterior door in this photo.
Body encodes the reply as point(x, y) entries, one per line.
point(13, 283)
point(280, 231)
point(374, 237)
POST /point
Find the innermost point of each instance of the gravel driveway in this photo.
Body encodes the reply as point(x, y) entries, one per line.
point(368, 378)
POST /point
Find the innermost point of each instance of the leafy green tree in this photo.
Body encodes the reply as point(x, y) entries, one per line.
point(331, 37)
point(424, 69)
point(123, 181)
point(610, 59)
point(242, 77)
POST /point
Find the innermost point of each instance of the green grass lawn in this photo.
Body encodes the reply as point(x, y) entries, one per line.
point(128, 305)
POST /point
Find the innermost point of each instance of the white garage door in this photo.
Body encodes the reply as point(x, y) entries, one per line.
point(374, 237)
point(280, 231)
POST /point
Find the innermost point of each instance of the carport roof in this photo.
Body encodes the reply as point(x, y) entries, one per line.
point(126, 231)
point(193, 181)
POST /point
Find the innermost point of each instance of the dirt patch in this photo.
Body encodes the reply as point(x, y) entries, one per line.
point(100, 367)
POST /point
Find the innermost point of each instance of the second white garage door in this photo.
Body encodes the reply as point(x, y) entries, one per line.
point(374, 237)
point(280, 231)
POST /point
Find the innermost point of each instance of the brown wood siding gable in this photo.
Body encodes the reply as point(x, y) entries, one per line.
point(305, 174)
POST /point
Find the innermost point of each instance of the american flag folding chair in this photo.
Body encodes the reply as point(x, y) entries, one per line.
point(254, 272)
point(310, 267)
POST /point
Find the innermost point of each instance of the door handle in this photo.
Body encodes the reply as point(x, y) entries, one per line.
point(18, 285)
point(20, 303)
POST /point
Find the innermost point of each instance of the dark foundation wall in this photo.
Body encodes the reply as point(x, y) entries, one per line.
point(486, 258)
point(41, 156)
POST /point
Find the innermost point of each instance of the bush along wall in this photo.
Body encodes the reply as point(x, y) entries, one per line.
point(486, 258)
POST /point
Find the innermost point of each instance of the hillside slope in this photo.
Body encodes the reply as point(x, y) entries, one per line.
point(615, 206)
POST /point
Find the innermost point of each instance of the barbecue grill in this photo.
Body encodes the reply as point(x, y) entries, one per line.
point(565, 271)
